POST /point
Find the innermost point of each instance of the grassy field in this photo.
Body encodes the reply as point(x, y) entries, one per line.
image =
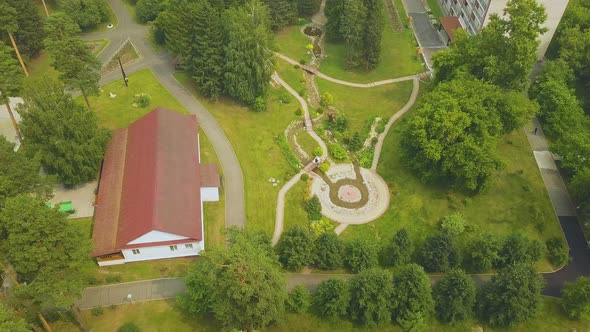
point(252, 136)
point(291, 41)
point(516, 202)
point(398, 57)
point(118, 112)
point(291, 75)
point(307, 143)
point(41, 66)
point(360, 104)
point(294, 211)
point(435, 8)
point(166, 316)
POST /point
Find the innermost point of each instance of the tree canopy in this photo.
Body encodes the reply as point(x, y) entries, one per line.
point(361, 254)
point(513, 296)
point(411, 298)
point(86, 13)
point(503, 53)
point(328, 252)
point(241, 286)
point(439, 253)
point(12, 76)
point(453, 135)
point(62, 133)
point(44, 248)
point(576, 299)
point(331, 299)
point(370, 293)
point(454, 297)
point(28, 28)
point(9, 320)
point(399, 249)
point(295, 248)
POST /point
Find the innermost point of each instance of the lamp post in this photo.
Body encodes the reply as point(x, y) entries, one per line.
point(125, 79)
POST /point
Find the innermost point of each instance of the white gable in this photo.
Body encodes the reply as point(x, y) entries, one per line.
point(157, 236)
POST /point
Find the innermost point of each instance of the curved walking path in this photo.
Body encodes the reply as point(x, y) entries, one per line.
point(280, 211)
point(346, 83)
point(160, 64)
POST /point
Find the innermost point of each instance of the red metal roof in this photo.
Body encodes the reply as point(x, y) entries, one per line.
point(450, 24)
point(150, 180)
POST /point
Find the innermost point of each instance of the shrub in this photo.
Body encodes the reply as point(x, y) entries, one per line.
point(517, 248)
point(482, 253)
point(296, 66)
point(304, 177)
point(298, 300)
point(303, 92)
point(142, 100)
point(285, 98)
point(303, 61)
point(454, 297)
point(557, 252)
point(98, 311)
point(399, 250)
point(380, 128)
point(356, 142)
point(325, 166)
point(321, 226)
point(366, 157)
point(313, 207)
point(318, 151)
point(337, 151)
point(340, 123)
point(288, 153)
point(129, 327)
point(259, 105)
point(453, 224)
point(326, 99)
point(319, 110)
point(299, 112)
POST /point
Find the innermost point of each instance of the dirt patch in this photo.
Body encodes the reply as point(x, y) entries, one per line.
point(126, 53)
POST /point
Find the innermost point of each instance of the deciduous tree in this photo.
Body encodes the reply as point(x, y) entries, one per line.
point(361, 254)
point(483, 253)
point(517, 248)
point(328, 251)
point(411, 298)
point(295, 248)
point(9, 24)
point(87, 13)
point(439, 253)
point(399, 249)
point(454, 297)
point(331, 299)
point(512, 297)
point(370, 294)
point(10, 322)
point(576, 299)
point(10, 82)
point(298, 300)
point(241, 286)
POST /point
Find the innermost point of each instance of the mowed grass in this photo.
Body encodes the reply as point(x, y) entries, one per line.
point(398, 57)
point(252, 136)
point(118, 112)
point(292, 76)
point(306, 142)
point(360, 104)
point(167, 316)
point(517, 201)
point(295, 206)
point(291, 41)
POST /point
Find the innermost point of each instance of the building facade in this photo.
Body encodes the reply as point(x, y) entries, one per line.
point(475, 14)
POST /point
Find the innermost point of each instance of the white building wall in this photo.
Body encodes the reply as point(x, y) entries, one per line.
point(209, 194)
point(159, 252)
point(157, 236)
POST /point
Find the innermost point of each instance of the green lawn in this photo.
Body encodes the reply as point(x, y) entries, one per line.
point(435, 8)
point(98, 45)
point(292, 76)
point(294, 206)
point(516, 202)
point(398, 57)
point(166, 316)
point(291, 41)
point(252, 136)
point(360, 104)
point(41, 66)
point(307, 143)
point(118, 112)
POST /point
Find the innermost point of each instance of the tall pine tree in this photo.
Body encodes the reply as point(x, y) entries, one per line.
point(249, 58)
point(373, 32)
point(206, 66)
point(29, 35)
point(282, 12)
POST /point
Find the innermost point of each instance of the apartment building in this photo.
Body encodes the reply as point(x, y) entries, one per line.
point(475, 14)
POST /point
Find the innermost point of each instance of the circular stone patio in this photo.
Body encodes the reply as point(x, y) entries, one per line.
point(377, 202)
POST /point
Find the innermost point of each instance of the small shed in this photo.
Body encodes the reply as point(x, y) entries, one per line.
point(448, 26)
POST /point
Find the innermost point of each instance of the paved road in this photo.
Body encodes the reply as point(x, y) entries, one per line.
point(161, 66)
point(428, 38)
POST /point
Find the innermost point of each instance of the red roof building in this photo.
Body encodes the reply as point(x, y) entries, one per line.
point(149, 203)
point(450, 24)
